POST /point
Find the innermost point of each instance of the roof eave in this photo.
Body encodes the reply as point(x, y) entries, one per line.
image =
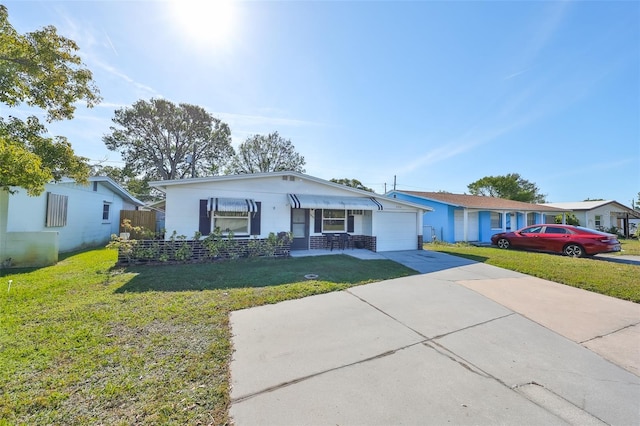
point(111, 184)
point(163, 184)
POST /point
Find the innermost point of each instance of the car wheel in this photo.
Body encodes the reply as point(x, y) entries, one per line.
point(503, 243)
point(574, 250)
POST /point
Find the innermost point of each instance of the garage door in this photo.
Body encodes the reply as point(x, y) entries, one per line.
point(396, 231)
point(473, 230)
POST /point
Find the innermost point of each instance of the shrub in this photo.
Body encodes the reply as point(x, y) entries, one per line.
point(219, 245)
point(214, 246)
point(570, 219)
point(128, 247)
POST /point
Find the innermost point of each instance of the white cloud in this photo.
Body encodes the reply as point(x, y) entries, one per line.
point(143, 90)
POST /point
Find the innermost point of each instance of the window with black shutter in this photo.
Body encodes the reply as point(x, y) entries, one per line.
point(317, 224)
point(205, 221)
point(255, 219)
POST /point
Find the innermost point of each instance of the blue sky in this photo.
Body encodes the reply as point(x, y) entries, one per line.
point(436, 93)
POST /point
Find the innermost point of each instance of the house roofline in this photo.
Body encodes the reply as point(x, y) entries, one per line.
point(163, 184)
point(520, 207)
point(111, 184)
point(599, 204)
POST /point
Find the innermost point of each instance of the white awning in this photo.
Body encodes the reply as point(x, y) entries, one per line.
point(308, 201)
point(232, 205)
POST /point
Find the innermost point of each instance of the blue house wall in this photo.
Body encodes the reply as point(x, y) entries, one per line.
point(442, 219)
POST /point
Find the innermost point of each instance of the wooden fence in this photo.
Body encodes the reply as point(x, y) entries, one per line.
point(142, 218)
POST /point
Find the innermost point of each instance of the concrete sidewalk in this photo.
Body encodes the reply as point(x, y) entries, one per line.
point(463, 343)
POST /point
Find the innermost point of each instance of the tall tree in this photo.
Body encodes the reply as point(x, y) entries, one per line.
point(161, 140)
point(354, 183)
point(270, 153)
point(42, 70)
point(511, 187)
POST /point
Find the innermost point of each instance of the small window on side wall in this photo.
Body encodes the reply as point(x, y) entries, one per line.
point(106, 210)
point(598, 221)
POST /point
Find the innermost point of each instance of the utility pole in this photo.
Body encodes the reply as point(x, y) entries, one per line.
point(394, 182)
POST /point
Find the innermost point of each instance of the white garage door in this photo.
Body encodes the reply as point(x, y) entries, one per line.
point(473, 230)
point(396, 231)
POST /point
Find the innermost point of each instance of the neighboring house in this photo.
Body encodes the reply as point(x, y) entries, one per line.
point(474, 218)
point(65, 217)
point(602, 215)
point(255, 205)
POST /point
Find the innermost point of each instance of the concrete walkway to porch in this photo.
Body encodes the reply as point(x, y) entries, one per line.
point(358, 253)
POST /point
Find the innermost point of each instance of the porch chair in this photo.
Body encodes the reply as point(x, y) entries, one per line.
point(345, 241)
point(331, 240)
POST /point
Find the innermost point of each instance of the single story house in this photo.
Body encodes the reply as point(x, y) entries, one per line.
point(602, 215)
point(255, 205)
point(67, 216)
point(473, 218)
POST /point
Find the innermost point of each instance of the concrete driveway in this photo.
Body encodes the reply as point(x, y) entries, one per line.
point(462, 343)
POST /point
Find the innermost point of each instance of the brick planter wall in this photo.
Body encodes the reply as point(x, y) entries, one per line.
point(161, 251)
point(317, 242)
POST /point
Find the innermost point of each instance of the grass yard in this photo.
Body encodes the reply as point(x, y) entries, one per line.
point(630, 246)
point(613, 279)
point(84, 343)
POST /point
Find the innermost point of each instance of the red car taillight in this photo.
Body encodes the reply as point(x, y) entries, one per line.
point(608, 240)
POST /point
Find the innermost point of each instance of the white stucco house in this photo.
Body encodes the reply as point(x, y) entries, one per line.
point(254, 205)
point(601, 215)
point(65, 217)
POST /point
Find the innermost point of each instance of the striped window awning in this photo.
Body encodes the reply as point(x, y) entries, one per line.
point(232, 205)
point(308, 201)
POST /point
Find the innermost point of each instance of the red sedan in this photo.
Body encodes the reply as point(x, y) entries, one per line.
point(574, 241)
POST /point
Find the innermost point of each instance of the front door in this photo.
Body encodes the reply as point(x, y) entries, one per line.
point(300, 229)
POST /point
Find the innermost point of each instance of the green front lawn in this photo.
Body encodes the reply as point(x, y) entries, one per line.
point(85, 343)
point(630, 246)
point(613, 279)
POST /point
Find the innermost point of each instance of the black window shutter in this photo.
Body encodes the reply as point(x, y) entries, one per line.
point(255, 220)
point(350, 225)
point(318, 221)
point(205, 221)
